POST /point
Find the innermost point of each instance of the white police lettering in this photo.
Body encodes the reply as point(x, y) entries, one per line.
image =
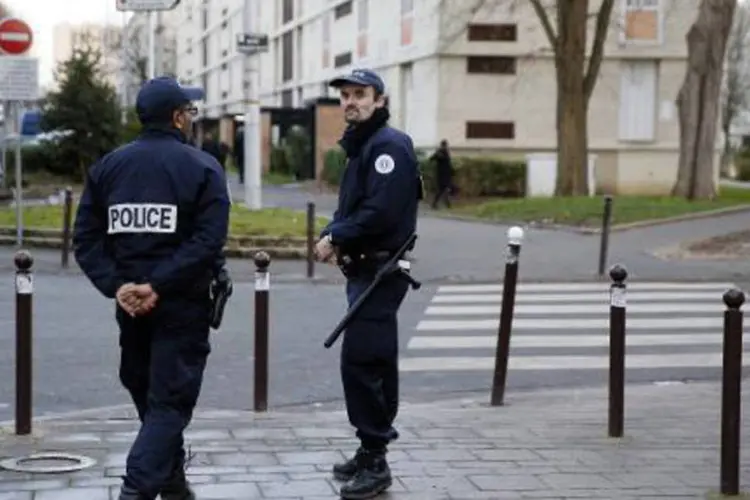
point(384, 164)
point(142, 218)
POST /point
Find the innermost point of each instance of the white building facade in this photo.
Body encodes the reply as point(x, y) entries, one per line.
point(484, 81)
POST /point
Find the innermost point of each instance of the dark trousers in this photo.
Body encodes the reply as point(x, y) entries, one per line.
point(443, 192)
point(369, 361)
point(163, 357)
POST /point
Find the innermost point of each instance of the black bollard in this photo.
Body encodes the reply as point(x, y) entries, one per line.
point(606, 225)
point(731, 393)
point(617, 350)
point(262, 287)
point(515, 236)
point(310, 239)
point(24, 355)
point(67, 223)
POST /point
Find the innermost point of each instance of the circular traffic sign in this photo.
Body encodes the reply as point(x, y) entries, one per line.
point(15, 36)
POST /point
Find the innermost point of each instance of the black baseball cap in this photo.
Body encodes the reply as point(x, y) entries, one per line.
point(364, 77)
point(160, 96)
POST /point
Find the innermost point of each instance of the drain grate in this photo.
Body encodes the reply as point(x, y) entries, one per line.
point(48, 463)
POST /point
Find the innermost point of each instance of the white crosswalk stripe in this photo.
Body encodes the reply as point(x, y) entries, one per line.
point(565, 326)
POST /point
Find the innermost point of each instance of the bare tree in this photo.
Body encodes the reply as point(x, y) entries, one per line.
point(566, 26)
point(698, 99)
point(736, 89)
point(133, 52)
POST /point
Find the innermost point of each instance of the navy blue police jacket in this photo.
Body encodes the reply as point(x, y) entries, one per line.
point(155, 211)
point(378, 195)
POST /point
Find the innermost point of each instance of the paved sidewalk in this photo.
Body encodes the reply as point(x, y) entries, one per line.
point(541, 445)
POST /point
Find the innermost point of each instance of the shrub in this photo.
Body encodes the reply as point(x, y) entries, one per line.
point(474, 176)
point(334, 162)
point(742, 164)
point(481, 176)
point(34, 158)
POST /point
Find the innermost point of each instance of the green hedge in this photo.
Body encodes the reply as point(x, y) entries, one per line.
point(474, 177)
point(742, 164)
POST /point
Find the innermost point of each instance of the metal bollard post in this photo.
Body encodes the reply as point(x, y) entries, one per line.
point(515, 236)
point(310, 239)
point(731, 393)
point(617, 350)
point(606, 224)
point(262, 287)
point(67, 222)
point(24, 289)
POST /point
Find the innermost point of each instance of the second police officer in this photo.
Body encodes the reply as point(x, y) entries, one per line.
point(377, 212)
point(150, 227)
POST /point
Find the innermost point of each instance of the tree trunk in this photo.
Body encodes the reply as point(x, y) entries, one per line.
point(698, 100)
point(572, 103)
point(572, 136)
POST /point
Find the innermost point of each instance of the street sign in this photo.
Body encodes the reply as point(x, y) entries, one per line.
point(19, 78)
point(15, 36)
point(252, 43)
point(146, 5)
point(30, 123)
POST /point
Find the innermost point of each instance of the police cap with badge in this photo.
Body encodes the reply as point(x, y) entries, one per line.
point(363, 77)
point(159, 97)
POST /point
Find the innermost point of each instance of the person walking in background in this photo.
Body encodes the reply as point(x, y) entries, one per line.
point(239, 152)
point(444, 177)
point(212, 147)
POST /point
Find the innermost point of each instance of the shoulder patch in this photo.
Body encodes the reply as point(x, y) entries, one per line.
point(384, 164)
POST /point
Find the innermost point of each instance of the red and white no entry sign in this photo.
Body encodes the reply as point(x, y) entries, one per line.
point(15, 36)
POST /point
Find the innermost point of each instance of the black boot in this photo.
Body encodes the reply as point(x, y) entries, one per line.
point(347, 470)
point(177, 487)
point(128, 493)
point(373, 477)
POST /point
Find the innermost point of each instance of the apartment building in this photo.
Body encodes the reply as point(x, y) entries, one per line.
point(103, 37)
point(483, 80)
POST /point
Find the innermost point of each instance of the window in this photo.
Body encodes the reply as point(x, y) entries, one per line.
point(638, 89)
point(342, 10)
point(490, 130)
point(491, 64)
point(287, 99)
point(287, 11)
point(362, 15)
point(287, 57)
point(492, 33)
point(342, 59)
point(642, 22)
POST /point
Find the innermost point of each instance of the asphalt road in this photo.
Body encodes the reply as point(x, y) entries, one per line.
point(447, 342)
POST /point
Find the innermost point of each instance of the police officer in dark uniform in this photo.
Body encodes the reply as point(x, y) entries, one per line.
point(150, 228)
point(377, 212)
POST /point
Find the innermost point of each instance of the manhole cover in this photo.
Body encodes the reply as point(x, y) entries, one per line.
point(48, 463)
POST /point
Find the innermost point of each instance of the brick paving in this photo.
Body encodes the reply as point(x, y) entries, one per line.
point(542, 445)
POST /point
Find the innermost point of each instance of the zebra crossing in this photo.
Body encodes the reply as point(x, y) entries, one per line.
point(565, 326)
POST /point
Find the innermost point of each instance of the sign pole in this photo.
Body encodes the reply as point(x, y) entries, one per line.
point(19, 174)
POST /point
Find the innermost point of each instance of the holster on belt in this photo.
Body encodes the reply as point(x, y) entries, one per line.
point(360, 264)
point(221, 289)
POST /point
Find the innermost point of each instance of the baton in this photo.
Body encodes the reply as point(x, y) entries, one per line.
point(389, 267)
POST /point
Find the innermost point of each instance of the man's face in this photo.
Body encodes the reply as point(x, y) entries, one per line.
point(359, 102)
point(182, 119)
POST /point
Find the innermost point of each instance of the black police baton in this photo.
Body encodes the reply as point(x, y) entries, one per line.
point(390, 267)
point(221, 290)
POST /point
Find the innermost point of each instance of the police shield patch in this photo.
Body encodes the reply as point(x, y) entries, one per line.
point(142, 218)
point(384, 164)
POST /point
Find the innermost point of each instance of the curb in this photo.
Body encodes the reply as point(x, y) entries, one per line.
point(239, 247)
point(592, 230)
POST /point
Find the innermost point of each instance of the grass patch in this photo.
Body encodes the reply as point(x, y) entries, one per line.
point(271, 222)
point(587, 211)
